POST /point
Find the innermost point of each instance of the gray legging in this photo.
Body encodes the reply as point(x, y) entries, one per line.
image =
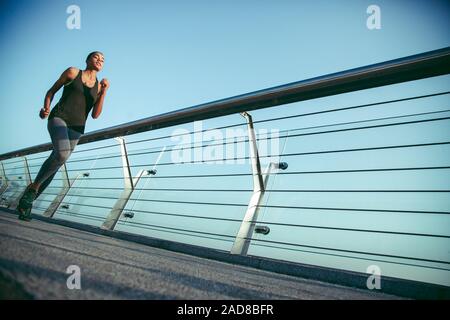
point(64, 141)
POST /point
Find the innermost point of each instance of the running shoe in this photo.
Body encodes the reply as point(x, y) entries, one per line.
point(26, 203)
point(24, 214)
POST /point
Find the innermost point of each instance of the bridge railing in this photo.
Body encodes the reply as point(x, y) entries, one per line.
point(348, 170)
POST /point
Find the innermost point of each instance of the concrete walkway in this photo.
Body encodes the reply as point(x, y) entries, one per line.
point(34, 257)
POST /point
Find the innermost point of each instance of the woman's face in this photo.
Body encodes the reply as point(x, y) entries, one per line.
point(96, 62)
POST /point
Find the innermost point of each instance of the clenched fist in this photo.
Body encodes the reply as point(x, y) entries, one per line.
point(104, 85)
point(43, 113)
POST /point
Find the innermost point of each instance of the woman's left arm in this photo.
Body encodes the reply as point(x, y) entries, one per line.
point(98, 106)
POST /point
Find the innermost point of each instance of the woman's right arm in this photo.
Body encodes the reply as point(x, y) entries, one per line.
point(68, 75)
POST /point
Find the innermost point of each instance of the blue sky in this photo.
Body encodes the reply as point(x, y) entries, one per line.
point(167, 55)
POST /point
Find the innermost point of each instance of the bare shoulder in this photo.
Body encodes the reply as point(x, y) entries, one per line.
point(71, 73)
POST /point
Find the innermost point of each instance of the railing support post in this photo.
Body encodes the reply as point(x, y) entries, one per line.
point(13, 205)
point(5, 183)
point(242, 241)
point(260, 180)
point(67, 184)
point(130, 184)
point(27, 171)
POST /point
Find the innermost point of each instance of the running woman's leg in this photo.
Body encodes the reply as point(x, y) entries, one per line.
point(64, 141)
point(45, 184)
point(73, 138)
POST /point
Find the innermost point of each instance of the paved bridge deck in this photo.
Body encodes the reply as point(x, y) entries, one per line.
point(35, 256)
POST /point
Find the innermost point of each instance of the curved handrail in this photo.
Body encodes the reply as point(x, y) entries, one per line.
point(419, 66)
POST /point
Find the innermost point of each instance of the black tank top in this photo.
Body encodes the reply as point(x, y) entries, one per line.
point(75, 104)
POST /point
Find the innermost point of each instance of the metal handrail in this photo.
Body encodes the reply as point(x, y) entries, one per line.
point(419, 66)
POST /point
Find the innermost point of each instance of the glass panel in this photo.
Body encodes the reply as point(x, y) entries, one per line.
point(320, 216)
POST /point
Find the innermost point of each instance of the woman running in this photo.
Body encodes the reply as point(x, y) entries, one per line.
point(66, 122)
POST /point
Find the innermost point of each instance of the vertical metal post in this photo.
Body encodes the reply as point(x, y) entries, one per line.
point(130, 184)
point(260, 181)
point(50, 212)
point(245, 232)
point(114, 215)
point(5, 183)
point(125, 163)
point(27, 171)
point(13, 205)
